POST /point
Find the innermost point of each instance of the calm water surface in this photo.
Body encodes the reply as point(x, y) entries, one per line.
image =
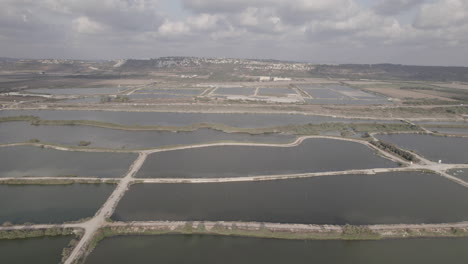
point(216, 249)
point(42, 250)
point(183, 119)
point(388, 198)
point(26, 161)
point(313, 155)
point(435, 148)
point(51, 203)
point(235, 91)
point(15, 132)
point(77, 91)
point(459, 173)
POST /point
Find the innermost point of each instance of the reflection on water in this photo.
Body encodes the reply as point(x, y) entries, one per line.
point(388, 198)
point(197, 249)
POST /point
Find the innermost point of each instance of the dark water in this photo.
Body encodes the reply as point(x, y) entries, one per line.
point(171, 91)
point(339, 94)
point(86, 100)
point(459, 173)
point(347, 101)
point(313, 155)
point(199, 249)
point(42, 250)
point(388, 198)
point(440, 123)
point(326, 94)
point(235, 91)
point(435, 148)
point(276, 91)
point(77, 91)
point(15, 132)
point(183, 119)
point(26, 161)
point(157, 96)
point(51, 203)
point(450, 130)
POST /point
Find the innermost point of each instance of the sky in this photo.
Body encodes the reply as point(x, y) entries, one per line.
point(415, 32)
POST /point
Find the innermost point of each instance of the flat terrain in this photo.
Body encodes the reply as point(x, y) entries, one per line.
point(181, 149)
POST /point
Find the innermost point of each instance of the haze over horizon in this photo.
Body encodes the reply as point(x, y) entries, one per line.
point(411, 32)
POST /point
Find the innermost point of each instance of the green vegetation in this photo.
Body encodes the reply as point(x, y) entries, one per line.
point(18, 118)
point(31, 233)
point(358, 232)
point(307, 129)
point(53, 181)
point(347, 232)
point(84, 143)
point(50, 232)
point(395, 150)
point(117, 99)
point(434, 102)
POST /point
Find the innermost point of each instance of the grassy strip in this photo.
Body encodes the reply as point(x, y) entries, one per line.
point(307, 129)
point(444, 126)
point(395, 150)
point(49, 232)
point(347, 232)
point(18, 118)
point(54, 181)
point(32, 233)
point(233, 230)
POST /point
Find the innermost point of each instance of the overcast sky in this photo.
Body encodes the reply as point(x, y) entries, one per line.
point(423, 32)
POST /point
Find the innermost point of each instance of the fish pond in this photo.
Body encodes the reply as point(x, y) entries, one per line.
point(198, 249)
point(384, 198)
point(33, 250)
point(184, 119)
point(435, 148)
point(97, 137)
point(29, 161)
point(21, 204)
point(312, 155)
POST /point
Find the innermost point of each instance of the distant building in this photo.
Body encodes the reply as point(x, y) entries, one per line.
point(264, 78)
point(281, 79)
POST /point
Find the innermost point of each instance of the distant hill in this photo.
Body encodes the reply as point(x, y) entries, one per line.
point(392, 71)
point(236, 66)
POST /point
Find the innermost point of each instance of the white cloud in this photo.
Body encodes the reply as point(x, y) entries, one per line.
point(173, 28)
point(443, 13)
point(237, 26)
point(395, 7)
point(85, 25)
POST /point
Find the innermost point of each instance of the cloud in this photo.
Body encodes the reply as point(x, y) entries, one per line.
point(395, 7)
point(85, 25)
point(444, 13)
point(290, 29)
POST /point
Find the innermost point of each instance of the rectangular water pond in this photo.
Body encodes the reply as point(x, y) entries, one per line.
point(326, 94)
point(33, 250)
point(16, 132)
point(312, 155)
point(197, 249)
point(192, 92)
point(184, 119)
point(435, 148)
point(27, 161)
point(235, 91)
point(387, 198)
point(157, 96)
point(51, 203)
point(77, 91)
point(449, 130)
point(276, 91)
